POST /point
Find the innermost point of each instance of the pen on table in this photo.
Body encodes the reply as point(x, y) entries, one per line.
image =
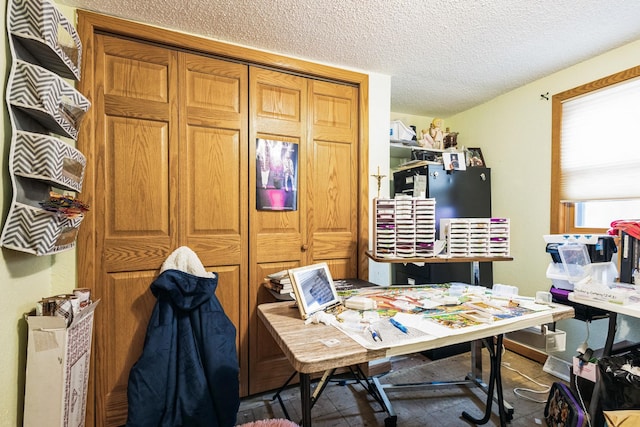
point(375, 334)
point(398, 325)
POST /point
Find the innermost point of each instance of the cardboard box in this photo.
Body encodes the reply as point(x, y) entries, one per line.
point(58, 369)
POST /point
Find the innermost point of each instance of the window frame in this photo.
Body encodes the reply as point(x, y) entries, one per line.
point(563, 213)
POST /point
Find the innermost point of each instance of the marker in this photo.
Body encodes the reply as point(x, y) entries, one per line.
point(398, 325)
point(375, 334)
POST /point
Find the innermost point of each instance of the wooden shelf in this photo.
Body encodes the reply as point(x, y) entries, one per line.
point(437, 259)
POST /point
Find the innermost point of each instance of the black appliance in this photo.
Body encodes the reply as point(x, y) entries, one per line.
point(458, 194)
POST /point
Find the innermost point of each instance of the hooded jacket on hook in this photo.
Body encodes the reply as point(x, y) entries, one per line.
point(187, 374)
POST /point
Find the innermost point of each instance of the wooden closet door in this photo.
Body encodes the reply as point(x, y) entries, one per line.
point(213, 212)
point(332, 177)
point(134, 204)
point(169, 159)
point(278, 112)
point(322, 119)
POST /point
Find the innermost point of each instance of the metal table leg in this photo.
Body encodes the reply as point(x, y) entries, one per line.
point(495, 380)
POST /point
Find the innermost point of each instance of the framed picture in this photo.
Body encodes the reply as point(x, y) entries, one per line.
point(453, 161)
point(276, 175)
point(314, 288)
point(475, 158)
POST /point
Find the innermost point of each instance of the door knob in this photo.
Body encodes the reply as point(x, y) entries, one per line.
point(304, 248)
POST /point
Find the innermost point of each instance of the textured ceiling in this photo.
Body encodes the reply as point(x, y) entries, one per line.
point(443, 56)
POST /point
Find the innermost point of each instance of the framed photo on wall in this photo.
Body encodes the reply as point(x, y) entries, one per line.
point(475, 158)
point(276, 175)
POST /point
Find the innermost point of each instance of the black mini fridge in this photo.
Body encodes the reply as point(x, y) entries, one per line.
point(458, 194)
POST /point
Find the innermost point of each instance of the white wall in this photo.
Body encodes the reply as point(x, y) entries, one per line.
point(514, 132)
point(379, 108)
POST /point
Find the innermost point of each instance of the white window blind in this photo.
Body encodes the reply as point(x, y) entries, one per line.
point(600, 144)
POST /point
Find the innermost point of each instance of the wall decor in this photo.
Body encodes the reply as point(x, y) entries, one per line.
point(276, 175)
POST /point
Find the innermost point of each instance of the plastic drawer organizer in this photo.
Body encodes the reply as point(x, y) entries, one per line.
point(45, 111)
point(405, 227)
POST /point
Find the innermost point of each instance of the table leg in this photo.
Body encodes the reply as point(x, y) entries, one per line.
point(305, 399)
point(595, 409)
point(495, 380)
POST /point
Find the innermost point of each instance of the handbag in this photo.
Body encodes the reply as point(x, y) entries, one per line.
point(562, 408)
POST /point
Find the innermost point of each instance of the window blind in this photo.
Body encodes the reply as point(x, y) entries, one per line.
point(600, 144)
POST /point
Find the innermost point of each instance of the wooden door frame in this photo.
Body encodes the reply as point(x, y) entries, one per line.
point(90, 23)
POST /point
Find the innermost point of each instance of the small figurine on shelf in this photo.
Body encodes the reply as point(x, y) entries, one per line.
point(436, 133)
point(425, 140)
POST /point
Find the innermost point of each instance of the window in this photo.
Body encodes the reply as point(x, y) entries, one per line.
point(596, 154)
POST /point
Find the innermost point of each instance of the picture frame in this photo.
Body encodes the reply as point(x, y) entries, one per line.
point(313, 288)
point(475, 159)
point(454, 161)
point(276, 175)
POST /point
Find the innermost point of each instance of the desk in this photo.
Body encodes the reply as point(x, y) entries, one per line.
point(632, 310)
point(304, 348)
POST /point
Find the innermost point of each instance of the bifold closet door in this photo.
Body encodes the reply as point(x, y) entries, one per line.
point(169, 156)
point(320, 119)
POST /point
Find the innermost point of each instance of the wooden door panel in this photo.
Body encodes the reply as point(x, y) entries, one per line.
point(214, 118)
point(278, 238)
point(269, 368)
point(333, 176)
point(136, 154)
point(213, 177)
point(213, 170)
point(131, 73)
point(230, 281)
point(135, 203)
point(332, 187)
point(128, 304)
point(137, 151)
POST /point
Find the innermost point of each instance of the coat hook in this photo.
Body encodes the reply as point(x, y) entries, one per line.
point(544, 96)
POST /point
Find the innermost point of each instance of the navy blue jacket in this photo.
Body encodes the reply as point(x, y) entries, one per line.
point(187, 374)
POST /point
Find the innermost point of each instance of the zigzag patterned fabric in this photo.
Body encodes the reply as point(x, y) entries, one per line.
point(44, 95)
point(48, 158)
point(46, 51)
point(41, 22)
point(37, 231)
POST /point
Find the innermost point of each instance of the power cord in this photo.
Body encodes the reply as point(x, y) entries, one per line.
point(582, 405)
point(518, 390)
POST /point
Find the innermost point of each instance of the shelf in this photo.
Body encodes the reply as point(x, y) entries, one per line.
point(48, 159)
point(45, 35)
point(399, 149)
point(46, 52)
point(437, 259)
point(37, 231)
point(47, 98)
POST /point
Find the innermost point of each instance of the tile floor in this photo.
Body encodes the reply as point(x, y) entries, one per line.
point(346, 403)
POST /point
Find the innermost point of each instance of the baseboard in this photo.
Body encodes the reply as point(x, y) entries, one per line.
point(525, 350)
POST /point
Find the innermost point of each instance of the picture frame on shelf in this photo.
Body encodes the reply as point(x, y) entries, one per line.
point(475, 159)
point(454, 161)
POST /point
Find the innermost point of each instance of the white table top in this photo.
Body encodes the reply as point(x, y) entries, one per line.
point(626, 309)
point(304, 345)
